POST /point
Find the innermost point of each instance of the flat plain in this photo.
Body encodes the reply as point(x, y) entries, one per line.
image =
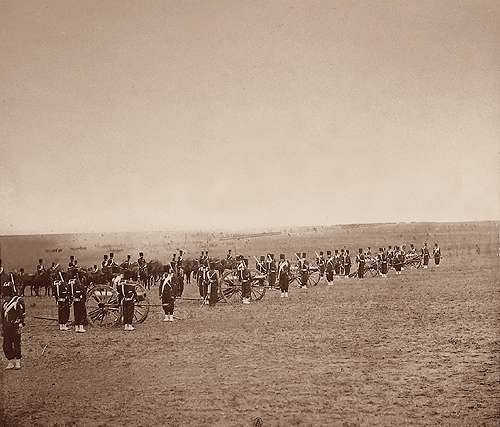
point(422, 348)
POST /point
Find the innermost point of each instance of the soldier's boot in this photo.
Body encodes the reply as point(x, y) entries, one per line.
point(165, 318)
point(282, 295)
point(10, 365)
point(61, 327)
point(82, 330)
point(131, 328)
point(17, 364)
point(77, 328)
point(171, 318)
point(286, 294)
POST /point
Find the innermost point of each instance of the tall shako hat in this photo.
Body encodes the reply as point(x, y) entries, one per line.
point(304, 254)
point(328, 252)
point(321, 252)
point(282, 256)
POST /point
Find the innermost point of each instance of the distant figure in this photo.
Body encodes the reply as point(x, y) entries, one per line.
point(360, 260)
point(436, 252)
point(304, 270)
point(283, 275)
point(246, 283)
point(347, 263)
point(213, 285)
point(63, 300)
point(425, 255)
point(104, 262)
point(271, 270)
point(229, 256)
point(320, 261)
point(329, 268)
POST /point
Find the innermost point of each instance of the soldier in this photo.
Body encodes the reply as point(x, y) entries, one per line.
point(283, 275)
point(127, 264)
point(260, 265)
point(229, 256)
point(329, 268)
point(173, 263)
point(390, 255)
point(21, 280)
point(71, 262)
point(347, 263)
point(304, 270)
point(141, 262)
point(104, 262)
point(203, 281)
point(180, 259)
point(369, 252)
point(167, 296)
point(436, 252)
point(78, 295)
point(320, 260)
point(213, 285)
point(360, 260)
point(382, 259)
point(336, 262)
point(72, 267)
point(180, 281)
point(128, 296)
point(397, 260)
point(271, 270)
point(40, 272)
point(63, 299)
point(425, 255)
point(341, 262)
point(12, 316)
point(246, 285)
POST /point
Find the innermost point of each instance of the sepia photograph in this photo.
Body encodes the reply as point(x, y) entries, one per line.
point(250, 213)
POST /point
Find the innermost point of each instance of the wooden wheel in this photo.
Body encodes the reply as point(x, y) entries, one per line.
point(141, 309)
point(230, 287)
point(371, 271)
point(102, 306)
point(314, 277)
point(258, 288)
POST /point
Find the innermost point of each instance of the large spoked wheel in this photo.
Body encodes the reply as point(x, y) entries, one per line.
point(314, 277)
point(102, 306)
point(230, 287)
point(258, 289)
point(141, 309)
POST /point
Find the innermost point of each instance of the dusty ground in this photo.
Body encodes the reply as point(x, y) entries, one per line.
point(422, 348)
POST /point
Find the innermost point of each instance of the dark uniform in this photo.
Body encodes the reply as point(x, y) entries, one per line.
point(382, 260)
point(213, 285)
point(260, 265)
point(203, 281)
point(304, 270)
point(397, 260)
point(283, 275)
point(12, 318)
point(167, 297)
point(62, 295)
point(271, 270)
point(40, 272)
point(329, 267)
point(347, 263)
point(436, 252)
point(141, 262)
point(336, 262)
point(128, 296)
point(360, 260)
point(246, 283)
point(320, 260)
point(425, 255)
point(180, 281)
point(78, 295)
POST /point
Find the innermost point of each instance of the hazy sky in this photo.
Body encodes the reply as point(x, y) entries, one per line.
point(143, 115)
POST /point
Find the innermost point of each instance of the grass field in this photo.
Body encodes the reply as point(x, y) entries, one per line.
point(420, 348)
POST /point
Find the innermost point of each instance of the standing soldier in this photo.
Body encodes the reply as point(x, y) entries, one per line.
point(104, 262)
point(213, 285)
point(12, 317)
point(180, 281)
point(78, 296)
point(128, 296)
point(383, 262)
point(229, 256)
point(40, 272)
point(63, 299)
point(260, 265)
point(425, 255)
point(246, 285)
point(329, 268)
point(173, 263)
point(304, 270)
point(203, 281)
point(72, 267)
point(397, 260)
point(271, 270)
point(283, 278)
point(167, 296)
point(336, 262)
point(127, 265)
point(341, 261)
point(360, 260)
point(347, 263)
point(141, 262)
point(320, 260)
point(180, 259)
point(436, 252)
